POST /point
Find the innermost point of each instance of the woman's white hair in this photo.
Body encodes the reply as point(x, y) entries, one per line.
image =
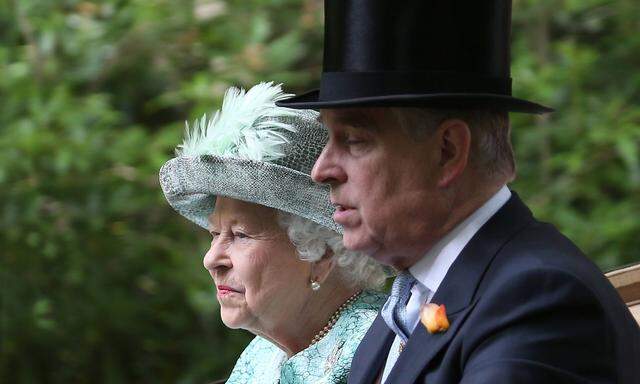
point(311, 241)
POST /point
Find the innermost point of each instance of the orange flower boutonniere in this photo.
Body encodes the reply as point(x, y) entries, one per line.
point(434, 317)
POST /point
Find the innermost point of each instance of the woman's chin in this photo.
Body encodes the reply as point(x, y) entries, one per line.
point(231, 320)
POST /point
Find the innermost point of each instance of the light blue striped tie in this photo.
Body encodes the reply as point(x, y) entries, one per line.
point(394, 311)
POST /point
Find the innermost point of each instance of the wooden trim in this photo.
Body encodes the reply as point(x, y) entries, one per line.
point(627, 281)
point(635, 310)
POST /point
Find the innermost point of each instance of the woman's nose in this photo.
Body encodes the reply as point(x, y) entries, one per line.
point(216, 257)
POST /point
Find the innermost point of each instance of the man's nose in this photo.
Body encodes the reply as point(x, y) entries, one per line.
point(327, 169)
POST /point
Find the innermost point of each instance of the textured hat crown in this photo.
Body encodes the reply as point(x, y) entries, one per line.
point(304, 144)
point(253, 151)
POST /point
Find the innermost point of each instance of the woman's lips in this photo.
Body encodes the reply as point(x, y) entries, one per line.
point(224, 290)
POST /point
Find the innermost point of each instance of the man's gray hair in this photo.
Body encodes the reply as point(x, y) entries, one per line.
point(491, 152)
point(311, 241)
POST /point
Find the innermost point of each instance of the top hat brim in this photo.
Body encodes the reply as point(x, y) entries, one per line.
point(311, 100)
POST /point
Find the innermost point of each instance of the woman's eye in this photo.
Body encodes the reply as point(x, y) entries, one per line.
point(240, 235)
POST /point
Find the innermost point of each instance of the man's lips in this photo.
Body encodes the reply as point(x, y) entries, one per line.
point(343, 213)
point(340, 206)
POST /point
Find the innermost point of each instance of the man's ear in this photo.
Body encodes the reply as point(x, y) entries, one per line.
point(321, 269)
point(454, 139)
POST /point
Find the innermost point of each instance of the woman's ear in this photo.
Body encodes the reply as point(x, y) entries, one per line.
point(321, 269)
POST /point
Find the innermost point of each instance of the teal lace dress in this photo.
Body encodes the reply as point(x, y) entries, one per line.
point(327, 361)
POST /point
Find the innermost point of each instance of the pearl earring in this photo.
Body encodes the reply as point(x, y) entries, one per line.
point(315, 285)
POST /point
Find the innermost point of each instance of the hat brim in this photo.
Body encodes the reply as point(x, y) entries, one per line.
point(191, 185)
point(310, 100)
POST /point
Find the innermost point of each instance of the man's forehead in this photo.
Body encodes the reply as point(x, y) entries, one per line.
point(369, 118)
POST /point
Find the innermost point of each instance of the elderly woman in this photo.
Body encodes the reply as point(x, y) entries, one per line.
point(276, 256)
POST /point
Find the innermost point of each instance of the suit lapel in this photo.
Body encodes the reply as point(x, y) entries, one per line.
point(463, 278)
point(459, 287)
point(371, 353)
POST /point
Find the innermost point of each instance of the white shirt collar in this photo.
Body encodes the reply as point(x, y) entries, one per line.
point(432, 268)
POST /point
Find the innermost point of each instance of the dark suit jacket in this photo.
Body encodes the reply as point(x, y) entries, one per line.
point(525, 306)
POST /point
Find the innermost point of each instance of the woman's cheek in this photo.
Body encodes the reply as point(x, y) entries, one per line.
point(257, 289)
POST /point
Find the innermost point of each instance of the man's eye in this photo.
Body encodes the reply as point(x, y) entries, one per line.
point(214, 234)
point(240, 235)
point(354, 141)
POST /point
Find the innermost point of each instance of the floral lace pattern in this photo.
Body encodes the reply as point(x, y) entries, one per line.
point(327, 361)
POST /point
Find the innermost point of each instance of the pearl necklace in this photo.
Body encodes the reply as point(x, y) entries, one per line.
point(332, 321)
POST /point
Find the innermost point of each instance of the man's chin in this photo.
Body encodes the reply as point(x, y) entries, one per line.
point(373, 249)
point(356, 242)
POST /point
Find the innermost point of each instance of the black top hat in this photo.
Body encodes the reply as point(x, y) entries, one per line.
point(430, 53)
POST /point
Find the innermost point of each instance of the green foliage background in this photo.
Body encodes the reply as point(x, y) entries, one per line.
point(100, 282)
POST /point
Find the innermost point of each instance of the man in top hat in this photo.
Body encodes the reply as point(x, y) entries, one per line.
point(416, 95)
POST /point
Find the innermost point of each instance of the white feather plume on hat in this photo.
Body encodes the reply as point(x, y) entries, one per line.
point(248, 126)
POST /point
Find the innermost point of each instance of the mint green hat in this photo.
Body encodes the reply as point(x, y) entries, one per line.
point(250, 150)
